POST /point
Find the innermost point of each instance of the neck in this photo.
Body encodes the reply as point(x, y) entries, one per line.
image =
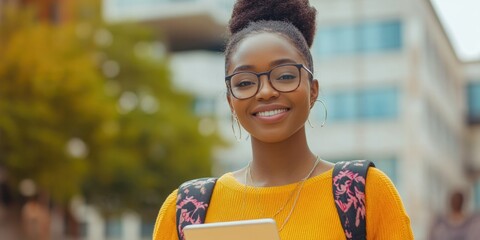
point(282, 162)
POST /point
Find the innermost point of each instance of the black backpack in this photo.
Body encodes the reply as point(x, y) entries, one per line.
point(348, 180)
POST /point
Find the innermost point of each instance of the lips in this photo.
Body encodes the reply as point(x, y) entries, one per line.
point(269, 110)
point(270, 113)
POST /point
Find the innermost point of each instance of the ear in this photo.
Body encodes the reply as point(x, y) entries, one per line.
point(314, 89)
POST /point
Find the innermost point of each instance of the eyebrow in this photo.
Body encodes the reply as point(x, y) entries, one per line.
point(272, 64)
point(281, 61)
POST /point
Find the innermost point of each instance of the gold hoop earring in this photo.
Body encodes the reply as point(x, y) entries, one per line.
point(309, 123)
point(326, 112)
point(235, 119)
point(325, 115)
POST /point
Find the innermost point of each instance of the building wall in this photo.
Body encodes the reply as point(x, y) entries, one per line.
point(183, 25)
point(472, 115)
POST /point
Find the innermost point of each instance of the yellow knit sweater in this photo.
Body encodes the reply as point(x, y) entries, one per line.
point(314, 217)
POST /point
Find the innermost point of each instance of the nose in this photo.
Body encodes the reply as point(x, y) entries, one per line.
point(266, 91)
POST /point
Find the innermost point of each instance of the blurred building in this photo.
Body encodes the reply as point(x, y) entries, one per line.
point(472, 76)
point(396, 92)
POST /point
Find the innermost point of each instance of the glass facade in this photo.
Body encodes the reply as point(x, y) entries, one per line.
point(473, 101)
point(363, 104)
point(358, 38)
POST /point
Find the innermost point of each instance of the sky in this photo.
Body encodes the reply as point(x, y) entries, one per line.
point(461, 20)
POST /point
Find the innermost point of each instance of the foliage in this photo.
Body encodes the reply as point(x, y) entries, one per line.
point(88, 108)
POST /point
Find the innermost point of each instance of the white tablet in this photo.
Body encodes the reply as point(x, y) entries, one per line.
point(258, 229)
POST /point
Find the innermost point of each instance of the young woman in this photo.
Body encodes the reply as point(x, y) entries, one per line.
point(271, 90)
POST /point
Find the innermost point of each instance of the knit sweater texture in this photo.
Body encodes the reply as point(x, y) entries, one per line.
point(314, 216)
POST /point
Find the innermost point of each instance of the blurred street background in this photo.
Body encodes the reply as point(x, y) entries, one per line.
point(107, 106)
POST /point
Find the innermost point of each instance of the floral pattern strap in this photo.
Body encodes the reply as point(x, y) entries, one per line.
point(349, 194)
point(192, 202)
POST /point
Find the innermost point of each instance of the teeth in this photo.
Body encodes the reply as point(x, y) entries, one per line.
point(271, 113)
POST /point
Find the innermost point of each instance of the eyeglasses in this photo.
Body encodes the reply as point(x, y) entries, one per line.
point(283, 78)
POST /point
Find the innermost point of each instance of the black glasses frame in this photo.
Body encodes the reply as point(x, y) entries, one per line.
point(298, 65)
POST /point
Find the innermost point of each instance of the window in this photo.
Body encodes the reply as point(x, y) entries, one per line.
point(473, 100)
point(365, 104)
point(341, 105)
point(391, 35)
point(378, 103)
point(359, 38)
point(370, 37)
point(325, 43)
point(345, 39)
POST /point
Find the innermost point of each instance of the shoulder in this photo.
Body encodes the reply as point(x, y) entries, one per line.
point(375, 174)
point(385, 210)
point(170, 200)
point(378, 181)
point(381, 190)
point(168, 207)
point(165, 223)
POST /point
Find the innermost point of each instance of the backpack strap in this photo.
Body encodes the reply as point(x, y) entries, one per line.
point(349, 194)
point(192, 202)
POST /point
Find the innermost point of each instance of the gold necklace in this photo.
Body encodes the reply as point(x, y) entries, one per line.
point(297, 189)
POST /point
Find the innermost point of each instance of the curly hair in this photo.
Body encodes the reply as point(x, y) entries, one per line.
point(292, 19)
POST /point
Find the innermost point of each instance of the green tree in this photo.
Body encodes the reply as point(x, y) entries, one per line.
point(50, 94)
point(88, 108)
point(158, 144)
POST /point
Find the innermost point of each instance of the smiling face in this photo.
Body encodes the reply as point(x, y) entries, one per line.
point(270, 115)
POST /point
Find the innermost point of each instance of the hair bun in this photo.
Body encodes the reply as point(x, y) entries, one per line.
point(297, 12)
